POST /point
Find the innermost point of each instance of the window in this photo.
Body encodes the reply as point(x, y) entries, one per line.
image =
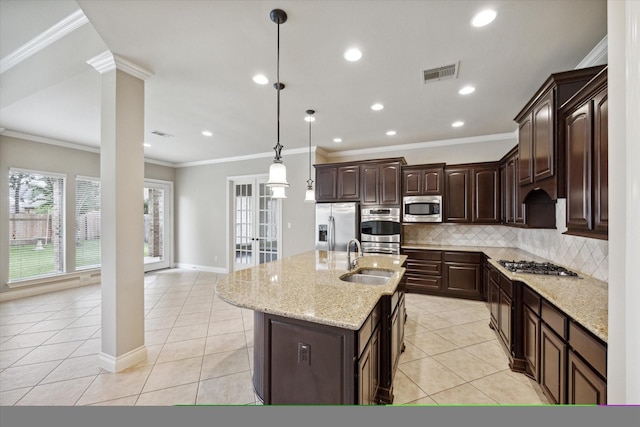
point(36, 224)
point(87, 223)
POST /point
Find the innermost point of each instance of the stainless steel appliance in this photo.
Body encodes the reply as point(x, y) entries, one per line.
point(380, 230)
point(533, 267)
point(422, 209)
point(336, 224)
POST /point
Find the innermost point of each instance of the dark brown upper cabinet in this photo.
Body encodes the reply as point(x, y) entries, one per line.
point(381, 182)
point(337, 182)
point(472, 193)
point(585, 134)
point(512, 210)
point(423, 180)
point(541, 152)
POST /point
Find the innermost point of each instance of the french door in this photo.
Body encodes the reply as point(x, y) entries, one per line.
point(158, 200)
point(256, 223)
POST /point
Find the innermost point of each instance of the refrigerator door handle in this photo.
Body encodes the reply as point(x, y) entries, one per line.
point(332, 230)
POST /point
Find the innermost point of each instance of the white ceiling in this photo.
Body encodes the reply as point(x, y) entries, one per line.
point(203, 55)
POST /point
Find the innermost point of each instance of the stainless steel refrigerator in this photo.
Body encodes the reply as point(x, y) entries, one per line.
point(336, 224)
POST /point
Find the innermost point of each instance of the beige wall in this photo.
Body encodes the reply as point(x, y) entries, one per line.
point(24, 154)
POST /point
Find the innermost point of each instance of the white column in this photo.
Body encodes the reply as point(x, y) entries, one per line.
point(623, 370)
point(122, 182)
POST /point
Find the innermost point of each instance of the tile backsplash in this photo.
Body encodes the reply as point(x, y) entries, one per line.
point(589, 256)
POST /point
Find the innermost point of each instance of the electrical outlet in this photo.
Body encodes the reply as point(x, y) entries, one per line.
point(304, 353)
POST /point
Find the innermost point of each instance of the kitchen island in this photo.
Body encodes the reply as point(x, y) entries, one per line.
point(317, 338)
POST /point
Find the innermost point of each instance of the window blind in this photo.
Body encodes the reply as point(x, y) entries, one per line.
point(36, 224)
point(88, 218)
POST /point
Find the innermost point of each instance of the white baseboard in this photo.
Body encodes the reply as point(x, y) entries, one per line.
point(51, 284)
point(209, 269)
point(120, 363)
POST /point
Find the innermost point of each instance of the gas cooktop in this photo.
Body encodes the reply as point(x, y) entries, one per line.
point(533, 267)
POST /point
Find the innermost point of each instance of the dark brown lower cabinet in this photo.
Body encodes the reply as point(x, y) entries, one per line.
point(585, 385)
point(301, 362)
point(553, 356)
point(369, 371)
point(446, 273)
point(531, 337)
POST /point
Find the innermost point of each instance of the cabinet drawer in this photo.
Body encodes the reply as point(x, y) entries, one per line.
point(506, 286)
point(367, 328)
point(555, 319)
point(422, 254)
point(432, 268)
point(531, 299)
point(424, 282)
point(469, 257)
point(591, 349)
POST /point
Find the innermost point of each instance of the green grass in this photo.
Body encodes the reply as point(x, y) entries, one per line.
point(25, 262)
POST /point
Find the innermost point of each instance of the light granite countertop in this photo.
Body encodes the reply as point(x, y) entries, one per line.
point(308, 287)
point(583, 298)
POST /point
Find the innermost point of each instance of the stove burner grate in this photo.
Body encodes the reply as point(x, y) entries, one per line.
point(533, 267)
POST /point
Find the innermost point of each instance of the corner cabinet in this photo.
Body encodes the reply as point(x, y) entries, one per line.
point(541, 152)
point(585, 132)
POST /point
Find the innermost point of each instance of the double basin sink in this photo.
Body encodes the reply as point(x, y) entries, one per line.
point(368, 276)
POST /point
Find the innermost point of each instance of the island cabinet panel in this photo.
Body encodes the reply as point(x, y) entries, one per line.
point(309, 363)
point(300, 362)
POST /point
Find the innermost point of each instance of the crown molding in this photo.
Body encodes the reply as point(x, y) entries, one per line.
point(423, 145)
point(72, 22)
point(71, 145)
point(107, 61)
point(245, 157)
point(597, 55)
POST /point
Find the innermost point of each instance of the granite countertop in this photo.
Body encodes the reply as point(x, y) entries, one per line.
point(583, 298)
point(308, 287)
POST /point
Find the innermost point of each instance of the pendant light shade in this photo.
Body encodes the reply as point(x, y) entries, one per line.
point(278, 172)
point(310, 195)
point(278, 193)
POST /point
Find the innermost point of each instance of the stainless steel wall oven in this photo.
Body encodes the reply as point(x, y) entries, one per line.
point(380, 230)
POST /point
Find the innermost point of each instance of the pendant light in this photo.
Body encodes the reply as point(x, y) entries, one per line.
point(310, 196)
point(278, 172)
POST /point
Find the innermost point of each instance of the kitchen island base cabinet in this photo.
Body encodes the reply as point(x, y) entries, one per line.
point(307, 363)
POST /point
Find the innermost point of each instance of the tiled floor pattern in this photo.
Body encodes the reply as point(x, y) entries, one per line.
point(200, 351)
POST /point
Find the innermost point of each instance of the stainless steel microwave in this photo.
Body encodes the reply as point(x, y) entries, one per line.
point(422, 209)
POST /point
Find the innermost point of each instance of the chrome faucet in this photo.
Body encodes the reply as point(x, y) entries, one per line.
point(353, 264)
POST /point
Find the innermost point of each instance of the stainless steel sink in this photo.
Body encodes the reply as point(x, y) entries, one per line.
point(368, 276)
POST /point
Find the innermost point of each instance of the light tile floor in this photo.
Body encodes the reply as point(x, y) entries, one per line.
point(200, 351)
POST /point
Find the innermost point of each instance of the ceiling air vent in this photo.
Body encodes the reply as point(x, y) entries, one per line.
point(165, 135)
point(440, 73)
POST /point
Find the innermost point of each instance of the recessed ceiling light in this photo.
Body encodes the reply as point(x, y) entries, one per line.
point(146, 144)
point(337, 140)
point(457, 124)
point(309, 119)
point(467, 90)
point(352, 54)
point(391, 132)
point(377, 107)
point(483, 18)
point(260, 79)
point(207, 133)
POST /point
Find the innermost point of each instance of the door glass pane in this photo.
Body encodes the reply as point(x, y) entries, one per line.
point(268, 225)
point(153, 225)
point(244, 224)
